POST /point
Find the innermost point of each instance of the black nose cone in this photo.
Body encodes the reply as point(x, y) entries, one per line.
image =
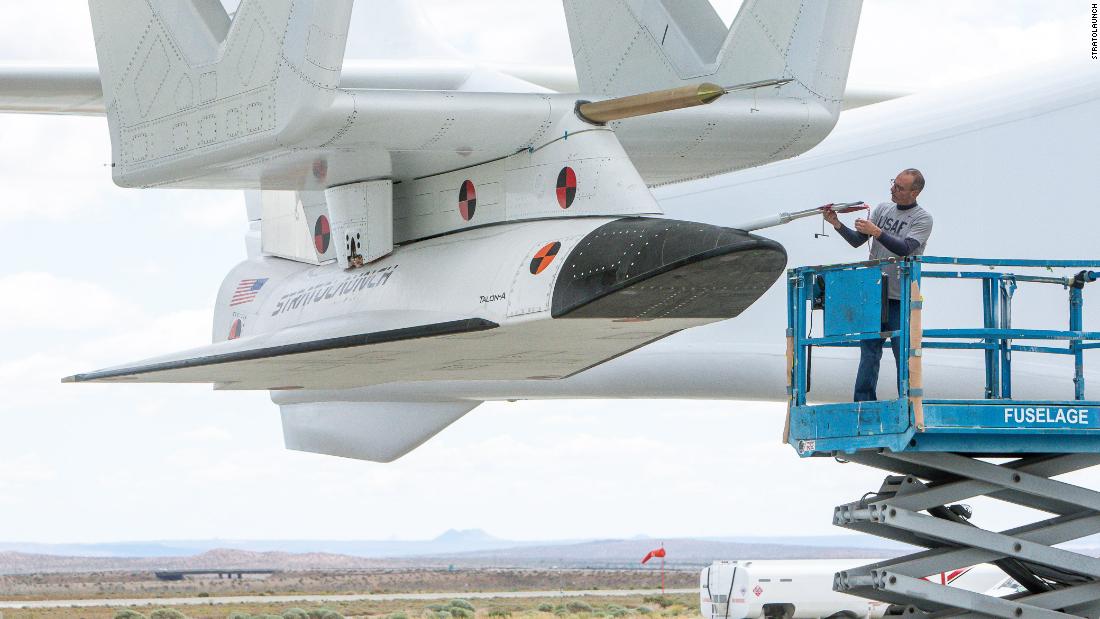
point(648, 268)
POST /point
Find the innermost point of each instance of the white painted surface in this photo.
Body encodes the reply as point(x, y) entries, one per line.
point(1007, 165)
point(262, 107)
point(808, 585)
point(361, 215)
point(287, 226)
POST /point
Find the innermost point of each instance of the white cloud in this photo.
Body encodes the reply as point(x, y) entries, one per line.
point(50, 31)
point(24, 469)
point(625, 471)
point(916, 46)
point(30, 380)
point(35, 152)
point(152, 336)
point(213, 209)
point(208, 434)
point(40, 150)
point(39, 300)
point(20, 473)
point(119, 332)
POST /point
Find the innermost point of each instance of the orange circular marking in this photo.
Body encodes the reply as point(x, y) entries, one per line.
point(544, 257)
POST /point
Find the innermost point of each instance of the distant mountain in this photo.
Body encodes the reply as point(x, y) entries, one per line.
point(628, 553)
point(451, 541)
point(468, 536)
point(477, 545)
point(602, 554)
point(26, 563)
point(471, 548)
point(112, 549)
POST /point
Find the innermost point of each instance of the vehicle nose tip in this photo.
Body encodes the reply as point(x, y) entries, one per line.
point(647, 268)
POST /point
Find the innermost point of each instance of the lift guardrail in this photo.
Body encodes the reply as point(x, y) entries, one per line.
point(853, 297)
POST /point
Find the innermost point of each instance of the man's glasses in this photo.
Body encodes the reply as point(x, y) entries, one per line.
point(894, 185)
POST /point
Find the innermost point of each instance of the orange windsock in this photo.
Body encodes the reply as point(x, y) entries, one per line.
point(660, 552)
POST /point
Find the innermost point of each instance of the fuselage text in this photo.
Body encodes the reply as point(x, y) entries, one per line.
point(333, 289)
point(1047, 415)
point(1094, 16)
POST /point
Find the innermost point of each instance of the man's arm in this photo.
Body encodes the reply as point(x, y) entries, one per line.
point(855, 239)
point(896, 244)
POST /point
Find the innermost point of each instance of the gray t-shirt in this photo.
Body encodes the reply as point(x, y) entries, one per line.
point(912, 223)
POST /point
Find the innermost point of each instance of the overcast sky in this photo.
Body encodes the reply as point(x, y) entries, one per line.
point(92, 275)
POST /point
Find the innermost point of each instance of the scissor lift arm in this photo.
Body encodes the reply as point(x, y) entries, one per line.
point(943, 452)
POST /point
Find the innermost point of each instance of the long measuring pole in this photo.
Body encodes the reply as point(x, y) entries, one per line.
point(783, 218)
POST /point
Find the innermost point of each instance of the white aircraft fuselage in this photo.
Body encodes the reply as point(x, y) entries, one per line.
point(537, 318)
point(416, 252)
point(1007, 162)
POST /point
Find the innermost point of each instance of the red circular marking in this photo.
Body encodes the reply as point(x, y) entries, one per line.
point(467, 200)
point(235, 329)
point(544, 257)
point(566, 187)
point(322, 234)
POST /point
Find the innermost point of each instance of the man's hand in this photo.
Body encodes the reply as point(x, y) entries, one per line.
point(865, 226)
point(830, 216)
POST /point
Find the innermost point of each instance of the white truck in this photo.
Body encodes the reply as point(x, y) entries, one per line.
point(803, 589)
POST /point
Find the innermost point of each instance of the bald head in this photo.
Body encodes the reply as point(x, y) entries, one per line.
point(907, 185)
point(916, 179)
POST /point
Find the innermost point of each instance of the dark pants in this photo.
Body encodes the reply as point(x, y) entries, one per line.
point(870, 355)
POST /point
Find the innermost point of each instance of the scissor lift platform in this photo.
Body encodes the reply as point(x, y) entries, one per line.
point(946, 451)
point(966, 426)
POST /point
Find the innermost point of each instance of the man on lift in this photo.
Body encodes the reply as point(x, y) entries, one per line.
point(897, 228)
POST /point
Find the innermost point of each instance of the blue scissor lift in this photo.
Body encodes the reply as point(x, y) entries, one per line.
point(947, 451)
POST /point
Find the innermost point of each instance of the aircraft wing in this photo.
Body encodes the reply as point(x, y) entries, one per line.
point(329, 354)
point(76, 90)
point(321, 354)
point(196, 98)
point(72, 90)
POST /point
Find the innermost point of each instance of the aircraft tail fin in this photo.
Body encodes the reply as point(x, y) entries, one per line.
point(180, 76)
point(624, 47)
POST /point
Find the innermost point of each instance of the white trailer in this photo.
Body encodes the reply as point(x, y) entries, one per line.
point(803, 589)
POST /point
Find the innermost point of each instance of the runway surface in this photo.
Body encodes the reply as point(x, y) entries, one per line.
point(279, 599)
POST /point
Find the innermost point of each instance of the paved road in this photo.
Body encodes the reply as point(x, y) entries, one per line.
point(354, 597)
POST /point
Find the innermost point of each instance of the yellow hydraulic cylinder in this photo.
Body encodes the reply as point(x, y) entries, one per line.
point(600, 112)
point(649, 103)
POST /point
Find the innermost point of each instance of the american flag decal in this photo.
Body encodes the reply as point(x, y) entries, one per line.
point(246, 291)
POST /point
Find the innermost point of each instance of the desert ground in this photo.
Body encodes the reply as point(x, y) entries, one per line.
point(449, 606)
point(143, 584)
